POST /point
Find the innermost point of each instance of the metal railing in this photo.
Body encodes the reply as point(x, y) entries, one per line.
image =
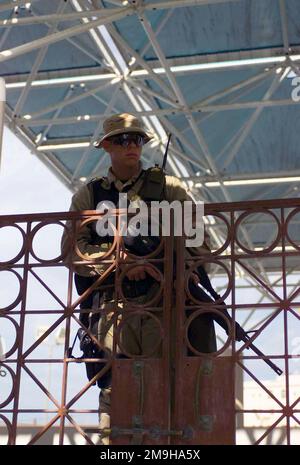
point(179, 395)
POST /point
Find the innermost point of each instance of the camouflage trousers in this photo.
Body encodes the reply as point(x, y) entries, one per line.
point(138, 333)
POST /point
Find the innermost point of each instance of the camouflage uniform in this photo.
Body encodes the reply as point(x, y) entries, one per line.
point(140, 333)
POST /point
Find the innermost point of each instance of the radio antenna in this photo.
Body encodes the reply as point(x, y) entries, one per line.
point(166, 153)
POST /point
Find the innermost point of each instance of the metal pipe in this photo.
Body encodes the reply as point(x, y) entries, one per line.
point(58, 36)
point(2, 110)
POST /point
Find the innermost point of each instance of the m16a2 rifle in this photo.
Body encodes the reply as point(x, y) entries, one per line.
point(240, 334)
point(145, 245)
point(138, 246)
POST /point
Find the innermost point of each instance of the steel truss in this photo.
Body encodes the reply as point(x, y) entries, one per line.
point(126, 72)
point(131, 71)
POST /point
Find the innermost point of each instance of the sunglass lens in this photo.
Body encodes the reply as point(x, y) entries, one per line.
point(126, 139)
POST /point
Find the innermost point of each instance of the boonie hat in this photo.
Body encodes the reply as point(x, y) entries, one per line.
point(122, 123)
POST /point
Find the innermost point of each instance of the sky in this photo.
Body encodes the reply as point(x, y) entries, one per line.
point(22, 181)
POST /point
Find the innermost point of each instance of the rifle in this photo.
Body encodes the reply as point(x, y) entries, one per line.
point(139, 246)
point(240, 334)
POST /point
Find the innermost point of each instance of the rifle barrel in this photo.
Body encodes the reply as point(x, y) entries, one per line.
point(243, 336)
point(261, 354)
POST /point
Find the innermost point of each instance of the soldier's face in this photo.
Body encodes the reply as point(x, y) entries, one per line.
point(127, 156)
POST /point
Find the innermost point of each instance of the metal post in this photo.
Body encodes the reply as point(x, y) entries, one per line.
point(2, 109)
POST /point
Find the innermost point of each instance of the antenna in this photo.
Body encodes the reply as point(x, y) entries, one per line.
point(166, 152)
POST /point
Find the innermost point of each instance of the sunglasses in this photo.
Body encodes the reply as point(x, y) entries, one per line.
point(127, 138)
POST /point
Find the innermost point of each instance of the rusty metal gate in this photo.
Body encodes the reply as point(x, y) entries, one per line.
point(179, 396)
point(174, 399)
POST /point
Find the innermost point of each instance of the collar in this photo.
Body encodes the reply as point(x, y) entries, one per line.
point(120, 185)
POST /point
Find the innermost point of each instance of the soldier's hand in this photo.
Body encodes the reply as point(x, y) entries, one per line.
point(139, 272)
point(195, 278)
